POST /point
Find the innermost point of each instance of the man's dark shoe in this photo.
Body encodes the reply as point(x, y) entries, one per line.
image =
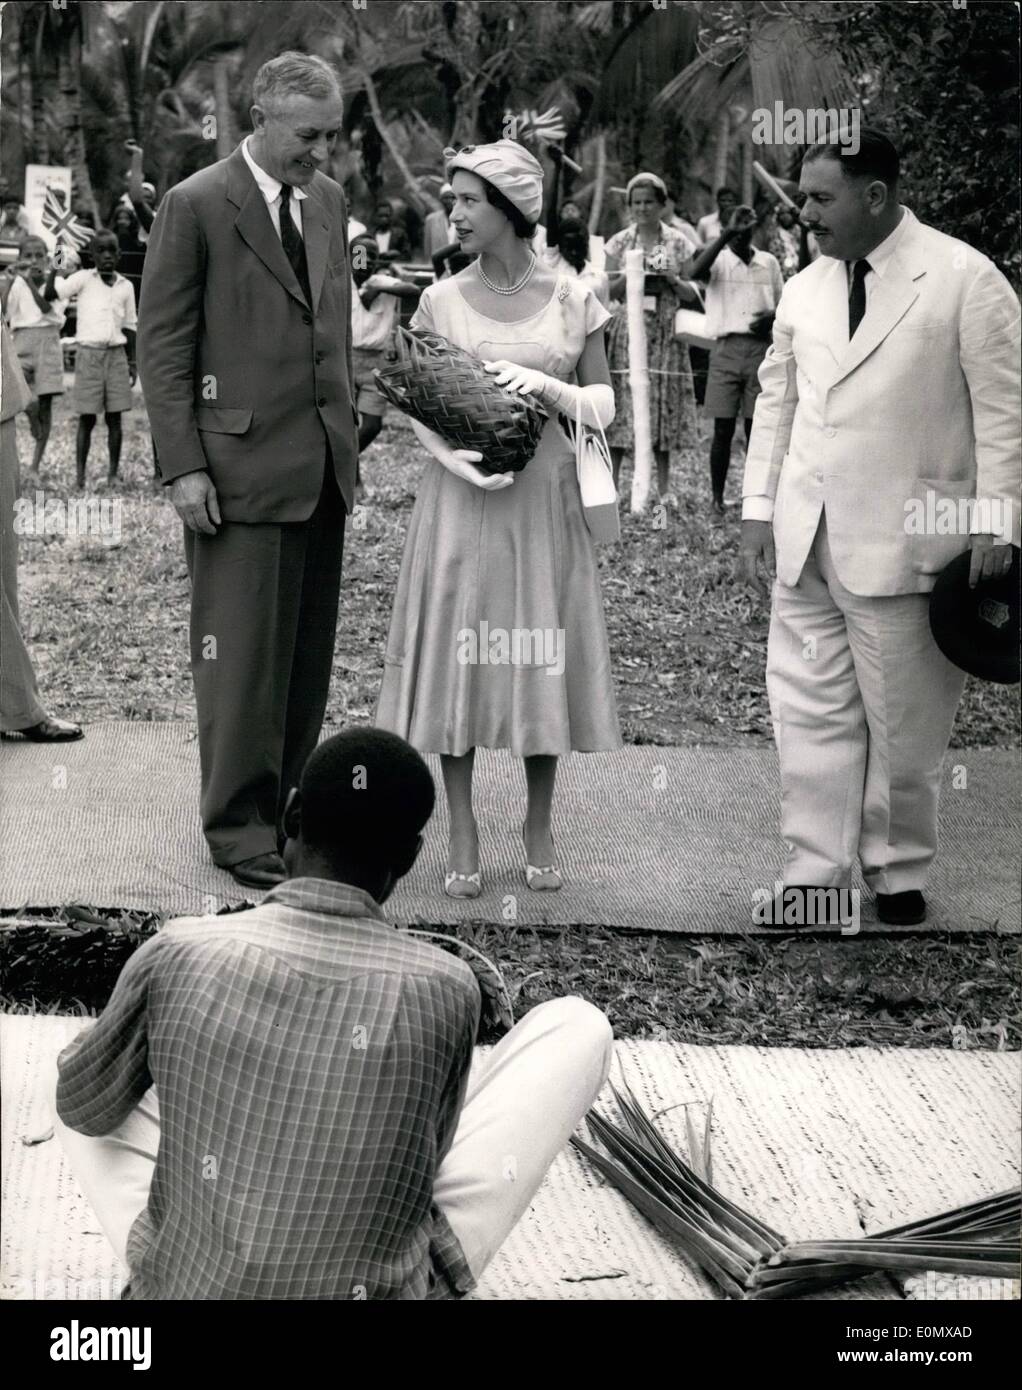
point(50, 730)
point(262, 871)
point(805, 905)
point(901, 909)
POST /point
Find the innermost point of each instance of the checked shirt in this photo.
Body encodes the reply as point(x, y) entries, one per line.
point(310, 1063)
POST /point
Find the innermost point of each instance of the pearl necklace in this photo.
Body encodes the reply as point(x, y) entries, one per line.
point(507, 289)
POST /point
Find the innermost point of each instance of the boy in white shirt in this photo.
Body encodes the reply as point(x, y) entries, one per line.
point(375, 313)
point(744, 288)
point(35, 327)
point(105, 353)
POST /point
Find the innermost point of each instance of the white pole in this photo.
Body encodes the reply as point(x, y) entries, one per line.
point(638, 379)
point(774, 187)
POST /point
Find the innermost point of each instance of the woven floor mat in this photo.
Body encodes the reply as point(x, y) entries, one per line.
point(816, 1143)
point(667, 839)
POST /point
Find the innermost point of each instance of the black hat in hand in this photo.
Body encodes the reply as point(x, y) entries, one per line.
point(978, 629)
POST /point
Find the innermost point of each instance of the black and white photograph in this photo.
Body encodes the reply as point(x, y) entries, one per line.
point(509, 684)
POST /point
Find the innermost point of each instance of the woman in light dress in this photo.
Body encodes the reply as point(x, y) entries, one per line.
point(497, 638)
point(672, 404)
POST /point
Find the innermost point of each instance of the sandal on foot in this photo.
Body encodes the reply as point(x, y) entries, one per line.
point(471, 885)
point(548, 872)
point(534, 874)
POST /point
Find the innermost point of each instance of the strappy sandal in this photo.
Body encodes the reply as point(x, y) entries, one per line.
point(473, 884)
point(535, 875)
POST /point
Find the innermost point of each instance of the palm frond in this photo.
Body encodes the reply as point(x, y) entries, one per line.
point(748, 1259)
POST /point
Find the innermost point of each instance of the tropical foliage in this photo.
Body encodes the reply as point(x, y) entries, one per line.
point(668, 86)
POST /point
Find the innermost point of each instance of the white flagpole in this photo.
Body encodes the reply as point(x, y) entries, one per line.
point(638, 379)
point(774, 187)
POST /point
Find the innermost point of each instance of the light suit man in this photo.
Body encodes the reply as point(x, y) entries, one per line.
point(893, 374)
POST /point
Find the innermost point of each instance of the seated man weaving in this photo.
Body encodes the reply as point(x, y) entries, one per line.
point(276, 1103)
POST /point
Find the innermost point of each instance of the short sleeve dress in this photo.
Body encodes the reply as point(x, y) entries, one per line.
point(672, 402)
point(497, 636)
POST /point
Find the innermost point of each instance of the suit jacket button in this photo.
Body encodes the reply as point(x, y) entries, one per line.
point(321, 402)
point(306, 318)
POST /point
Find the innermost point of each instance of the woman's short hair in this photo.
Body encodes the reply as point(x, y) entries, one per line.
point(294, 74)
point(647, 186)
point(520, 224)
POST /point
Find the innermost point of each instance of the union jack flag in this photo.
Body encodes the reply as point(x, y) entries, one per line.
point(539, 128)
point(60, 221)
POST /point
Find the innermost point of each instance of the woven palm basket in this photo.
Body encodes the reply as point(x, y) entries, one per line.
point(447, 389)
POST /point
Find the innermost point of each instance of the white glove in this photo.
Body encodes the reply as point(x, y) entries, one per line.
point(460, 462)
point(594, 403)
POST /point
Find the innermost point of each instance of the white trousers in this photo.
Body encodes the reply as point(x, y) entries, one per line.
point(862, 702)
point(524, 1101)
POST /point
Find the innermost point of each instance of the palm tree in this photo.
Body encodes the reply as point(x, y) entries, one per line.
point(159, 49)
point(52, 38)
point(634, 49)
point(751, 56)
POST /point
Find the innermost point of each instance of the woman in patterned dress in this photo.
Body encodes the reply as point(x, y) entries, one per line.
point(672, 404)
point(489, 557)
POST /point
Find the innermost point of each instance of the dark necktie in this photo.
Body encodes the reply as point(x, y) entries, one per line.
point(857, 296)
point(294, 247)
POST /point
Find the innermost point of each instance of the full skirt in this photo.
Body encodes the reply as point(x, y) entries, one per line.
point(497, 638)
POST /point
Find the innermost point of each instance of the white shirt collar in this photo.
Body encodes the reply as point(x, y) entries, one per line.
point(879, 258)
point(758, 257)
point(269, 187)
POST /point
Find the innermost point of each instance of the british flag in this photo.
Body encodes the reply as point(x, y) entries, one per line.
point(60, 221)
point(539, 128)
point(536, 127)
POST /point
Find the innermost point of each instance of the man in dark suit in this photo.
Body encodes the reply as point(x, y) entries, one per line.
point(245, 358)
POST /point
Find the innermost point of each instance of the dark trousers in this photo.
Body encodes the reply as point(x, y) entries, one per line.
point(264, 616)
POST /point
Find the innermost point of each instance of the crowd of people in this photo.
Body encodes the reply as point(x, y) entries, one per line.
point(41, 310)
point(53, 309)
point(889, 361)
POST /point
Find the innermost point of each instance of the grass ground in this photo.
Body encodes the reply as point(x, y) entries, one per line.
point(960, 992)
point(107, 626)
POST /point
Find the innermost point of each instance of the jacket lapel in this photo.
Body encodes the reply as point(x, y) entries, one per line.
point(832, 307)
point(890, 299)
point(316, 234)
point(255, 227)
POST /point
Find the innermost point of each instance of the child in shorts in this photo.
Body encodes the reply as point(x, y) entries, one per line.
point(35, 328)
point(105, 368)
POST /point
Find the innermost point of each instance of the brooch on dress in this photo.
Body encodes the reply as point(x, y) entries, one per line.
point(563, 290)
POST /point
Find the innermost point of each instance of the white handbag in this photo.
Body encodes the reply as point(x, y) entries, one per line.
point(690, 324)
point(690, 328)
point(596, 482)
